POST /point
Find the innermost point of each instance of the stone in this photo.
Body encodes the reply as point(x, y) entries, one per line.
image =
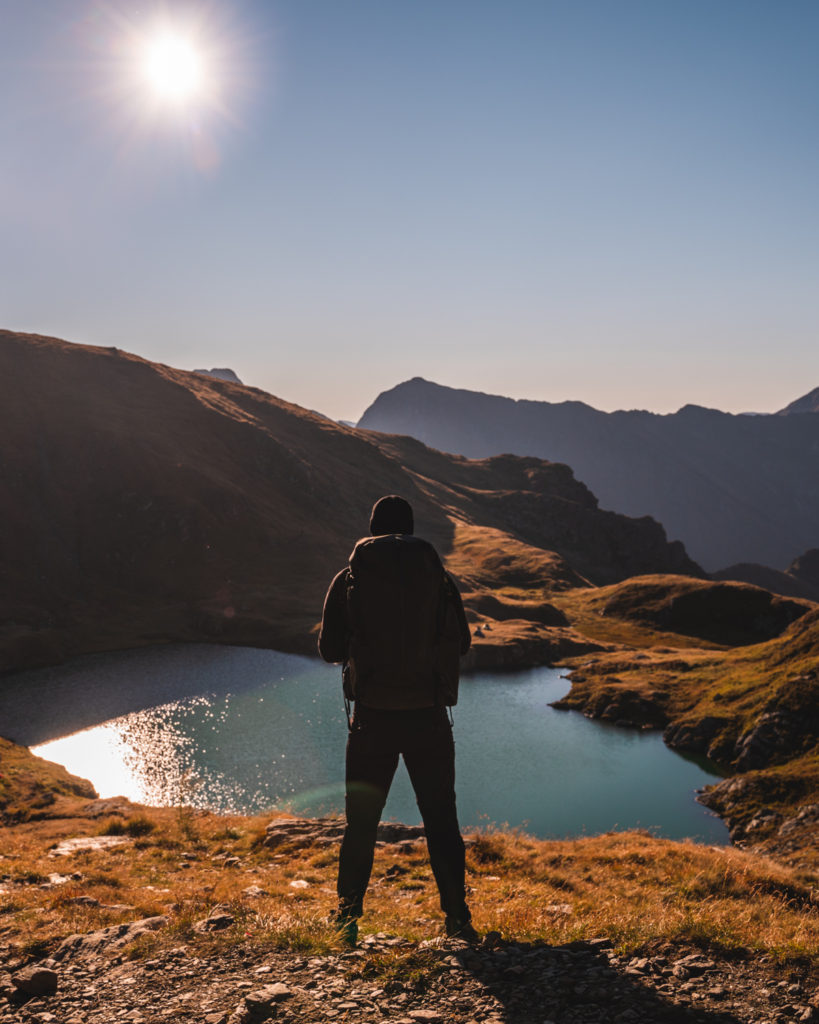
point(86, 843)
point(114, 937)
point(300, 832)
point(217, 922)
point(36, 980)
point(264, 997)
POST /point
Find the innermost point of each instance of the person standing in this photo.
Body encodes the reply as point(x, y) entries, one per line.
point(394, 617)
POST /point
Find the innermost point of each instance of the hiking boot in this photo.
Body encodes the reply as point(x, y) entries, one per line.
point(460, 928)
point(346, 927)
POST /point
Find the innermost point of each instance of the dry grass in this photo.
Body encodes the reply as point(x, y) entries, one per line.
point(29, 784)
point(630, 887)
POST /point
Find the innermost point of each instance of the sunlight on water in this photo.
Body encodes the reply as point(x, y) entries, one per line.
point(242, 730)
point(148, 758)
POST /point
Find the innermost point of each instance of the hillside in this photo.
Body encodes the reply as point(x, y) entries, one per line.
point(143, 504)
point(733, 489)
point(800, 579)
point(114, 911)
point(754, 709)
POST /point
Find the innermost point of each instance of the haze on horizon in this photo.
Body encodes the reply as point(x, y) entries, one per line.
point(613, 203)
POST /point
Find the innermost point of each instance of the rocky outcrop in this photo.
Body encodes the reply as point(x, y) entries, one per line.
point(624, 708)
point(297, 833)
point(113, 938)
point(698, 735)
point(787, 727)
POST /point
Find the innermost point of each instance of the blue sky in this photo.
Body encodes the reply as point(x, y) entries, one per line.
point(606, 201)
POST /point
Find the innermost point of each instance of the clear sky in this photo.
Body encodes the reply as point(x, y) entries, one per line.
point(611, 201)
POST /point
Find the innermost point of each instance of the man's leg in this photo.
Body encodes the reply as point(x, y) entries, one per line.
point(430, 758)
point(371, 763)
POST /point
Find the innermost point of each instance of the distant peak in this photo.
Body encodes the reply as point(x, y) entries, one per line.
point(221, 373)
point(807, 403)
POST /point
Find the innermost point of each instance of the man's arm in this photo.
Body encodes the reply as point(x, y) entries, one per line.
point(334, 636)
point(463, 626)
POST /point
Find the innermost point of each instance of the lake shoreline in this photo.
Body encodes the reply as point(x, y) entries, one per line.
point(619, 781)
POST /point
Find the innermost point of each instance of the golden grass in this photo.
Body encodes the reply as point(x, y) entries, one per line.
point(631, 888)
point(584, 608)
point(29, 784)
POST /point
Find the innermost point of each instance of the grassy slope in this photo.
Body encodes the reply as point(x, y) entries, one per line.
point(710, 695)
point(630, 887)
point(30, 785)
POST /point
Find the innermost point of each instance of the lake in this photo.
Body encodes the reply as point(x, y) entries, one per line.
point(247, 730)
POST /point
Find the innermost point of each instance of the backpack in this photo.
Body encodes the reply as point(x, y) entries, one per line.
point(404, 649)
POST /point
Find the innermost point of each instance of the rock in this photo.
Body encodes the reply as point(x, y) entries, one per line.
point(695, 736)
point(114, 937)
point(808, 815)
point(765, 821)
point(425, 1016)
point(694, 964)
point(69, 846)
point(301, 832)
point(217, 922)
point(263, 997)
point(108, 806)
point(36, 980)
point(255, 892)
point(774, 733)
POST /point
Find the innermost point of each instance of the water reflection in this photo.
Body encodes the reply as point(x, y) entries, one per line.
point(236, 729)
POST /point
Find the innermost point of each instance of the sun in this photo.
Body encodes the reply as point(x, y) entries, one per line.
point(173, 68)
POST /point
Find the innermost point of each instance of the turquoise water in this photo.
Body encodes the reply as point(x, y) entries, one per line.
point(250, 730)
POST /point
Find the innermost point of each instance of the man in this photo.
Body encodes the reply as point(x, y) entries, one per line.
point(395, 618)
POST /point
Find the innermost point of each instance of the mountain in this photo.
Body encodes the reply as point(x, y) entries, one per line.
point(800, 579)
point(807, 403)
point(144, 504)
point(732, 488)
point(221, 373)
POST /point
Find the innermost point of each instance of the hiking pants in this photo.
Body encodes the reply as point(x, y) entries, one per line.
point(424, 738)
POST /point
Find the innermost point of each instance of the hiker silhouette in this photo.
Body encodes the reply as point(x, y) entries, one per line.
point(394, 617)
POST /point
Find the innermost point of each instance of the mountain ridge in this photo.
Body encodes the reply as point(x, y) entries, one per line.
point(733, 488)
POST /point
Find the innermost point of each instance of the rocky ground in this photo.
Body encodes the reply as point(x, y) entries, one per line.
point(440, 981)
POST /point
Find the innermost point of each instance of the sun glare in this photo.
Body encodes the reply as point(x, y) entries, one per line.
point(173, 68)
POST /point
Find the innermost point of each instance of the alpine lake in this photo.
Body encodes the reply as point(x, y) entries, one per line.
point(253, 731)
